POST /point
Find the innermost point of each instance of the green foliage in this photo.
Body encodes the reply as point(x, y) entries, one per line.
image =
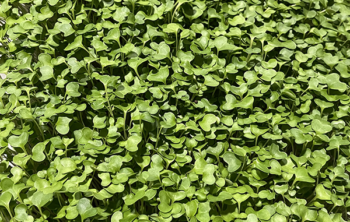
point(174, 110)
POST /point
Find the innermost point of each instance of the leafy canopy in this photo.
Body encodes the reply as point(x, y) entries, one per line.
point(174, 110)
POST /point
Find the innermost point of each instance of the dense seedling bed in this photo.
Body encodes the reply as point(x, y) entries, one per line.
point(161, 110)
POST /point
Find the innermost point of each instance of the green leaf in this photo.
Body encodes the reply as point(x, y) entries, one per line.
point(117, 216)
point(321, 126)
point(85, 208)
point(73, 89)
point(203, 212)
point(257, 131)
point(330, 60)
point(38, 151)
point(98, 45)
point(5, 199)
point(40, 199)
point(300, 138)
point(134, 63)
point(25, 114)
point(208, 172)
point(322, 193)
point(113, 34)
point(191, 208)
point(272, 63)
point(334, 83)
point(221, 44)
point(121, 13)
point(132, 142)
point(62, 125)
point(278, 218)
point(287, 44)
point(99, 122)
point(172, 28)
point(162, 51)
point(19, 141)
point(66, 28)
point(46, 73)
point(207, 121)
point(229, 104)
point(21, 213)
point(160, 76)
point(131, 198)
point(67, 165)
point(169, 120)
point(233, 162)
point(237, 20)
point(246, 103)
point(78, 42)
point(301, 174)
point(264, 214)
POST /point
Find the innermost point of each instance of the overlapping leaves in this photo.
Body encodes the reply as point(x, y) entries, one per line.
point(168, 110)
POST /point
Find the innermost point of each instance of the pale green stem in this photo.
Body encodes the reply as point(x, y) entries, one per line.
point(124, 125)
point(109, 105)
point(41, 131)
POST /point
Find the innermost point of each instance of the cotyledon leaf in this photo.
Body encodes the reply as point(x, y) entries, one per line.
point(207, 121)
point(85, 209)
point(321, 126)
point(38, 151)
point(233, 162)
point(174, 110)
point(62, 125)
